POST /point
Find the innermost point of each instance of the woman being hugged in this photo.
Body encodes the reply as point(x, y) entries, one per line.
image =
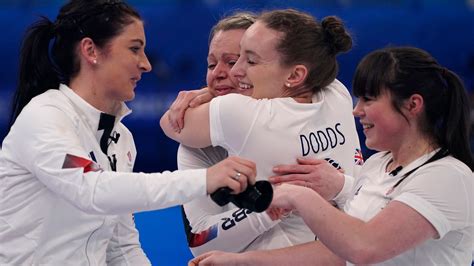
point(67, 191)
point(297, 108)
point(224, 49)
point(414, 205)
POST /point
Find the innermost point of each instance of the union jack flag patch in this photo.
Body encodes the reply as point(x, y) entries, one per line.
point(358, 158)
point(72, 161)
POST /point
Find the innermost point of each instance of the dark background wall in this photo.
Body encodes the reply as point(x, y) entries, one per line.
point(177, 33)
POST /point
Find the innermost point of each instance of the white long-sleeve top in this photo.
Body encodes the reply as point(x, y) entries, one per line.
point(59, 202)
point(269, 132)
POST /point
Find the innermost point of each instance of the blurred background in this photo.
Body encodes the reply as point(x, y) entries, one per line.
point(177, 35)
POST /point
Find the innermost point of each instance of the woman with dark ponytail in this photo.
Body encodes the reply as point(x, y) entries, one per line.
point(67, 189)
point(414, 202)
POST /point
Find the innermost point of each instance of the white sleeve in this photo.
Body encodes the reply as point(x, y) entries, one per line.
point(345, 192)
point(194, 158)
point(230, 119)
point(350, 187)
point(351, 182)
point(441, 193)
point(214, 228)
point(124, 246)
point(42, 141)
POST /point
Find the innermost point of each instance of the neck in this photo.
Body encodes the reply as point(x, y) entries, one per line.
point(89, 91)
point(299, 95)
point(303, 99)
point(410, 151)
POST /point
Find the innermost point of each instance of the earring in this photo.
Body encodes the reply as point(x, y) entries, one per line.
point(288, 85)
point(94, 61)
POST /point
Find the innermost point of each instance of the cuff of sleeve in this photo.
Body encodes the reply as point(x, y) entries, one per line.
point(342, 196)
point(427, 210)
point(202, 177)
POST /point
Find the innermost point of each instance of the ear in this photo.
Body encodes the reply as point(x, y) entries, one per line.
point(415, 104)
point(297, 76)
point(88, 51)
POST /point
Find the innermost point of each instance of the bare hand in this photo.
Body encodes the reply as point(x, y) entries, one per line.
point(233, 172)
point(277, 213)
point(216, 258)
point(183, 101)
point(316, 174)
point(282, 197)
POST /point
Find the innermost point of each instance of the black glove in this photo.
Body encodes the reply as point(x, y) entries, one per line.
point(256, 198)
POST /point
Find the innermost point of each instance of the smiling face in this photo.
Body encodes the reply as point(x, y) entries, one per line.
point(259, 64)
point(384, 127)
point(223, 53)
point(121, 63)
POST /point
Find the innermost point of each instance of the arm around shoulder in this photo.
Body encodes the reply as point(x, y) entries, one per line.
point(196, 131)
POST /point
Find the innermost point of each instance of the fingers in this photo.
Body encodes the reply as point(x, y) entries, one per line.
point(179, 106)
point(309, 161)
point(287, 178)
point(240, 184)
point(175, 121)
point(201, 99)
point(301, 183)
point(198, 259)
point(233, 172)
point(245, 167)
point(277, 213)
point(292, 169)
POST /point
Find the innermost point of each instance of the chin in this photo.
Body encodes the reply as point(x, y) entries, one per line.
point(248, 92)
point(374, 146)
point(128, 97)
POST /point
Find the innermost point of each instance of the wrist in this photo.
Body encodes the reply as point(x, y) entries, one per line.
point(298, 196)
point(253, 258)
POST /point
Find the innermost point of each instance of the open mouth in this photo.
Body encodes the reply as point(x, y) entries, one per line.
point(135, 80)
point(366, 126)
point(245, 86)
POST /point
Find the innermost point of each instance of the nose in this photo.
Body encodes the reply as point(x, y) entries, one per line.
point(144, 64)
point(238, 70)
point(220, 71)
point(358, 112)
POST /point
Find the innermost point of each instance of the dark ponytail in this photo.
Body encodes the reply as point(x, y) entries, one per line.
point(48, 52)
point(455, 130)
point(36, 72)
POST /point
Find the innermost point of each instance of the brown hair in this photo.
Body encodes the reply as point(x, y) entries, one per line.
point(310, 43)
point(236, 21)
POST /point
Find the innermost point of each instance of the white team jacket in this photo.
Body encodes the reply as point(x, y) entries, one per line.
point(58, 207)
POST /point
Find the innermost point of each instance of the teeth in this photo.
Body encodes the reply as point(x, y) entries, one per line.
point(245, 86)
point(365, 126)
